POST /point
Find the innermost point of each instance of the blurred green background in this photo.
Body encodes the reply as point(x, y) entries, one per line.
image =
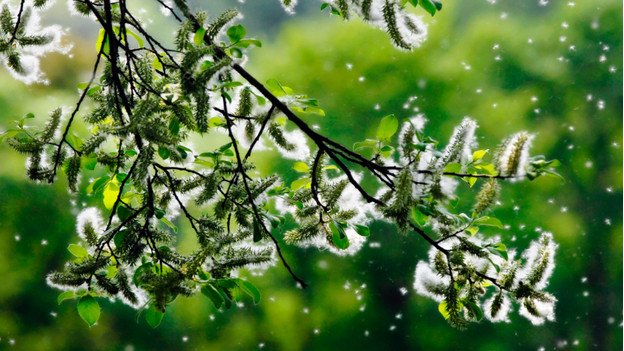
point(555, 70)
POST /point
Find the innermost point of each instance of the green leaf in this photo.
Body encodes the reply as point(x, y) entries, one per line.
point(339, 236)
point(111, 272)
point(164, 152)
point(89, 309)
point(123, 212)
point(110, 193)
point(453, 168)
point(119, 237)
point(198, 38)
point(236, 33)
point(472, 230)
point(65, 296)
point(299, 183)
point(77, 251)
point(387, 127)
point(100, 41)
point(245, 43)
point(362, 229)
point(249, 289)
point(444, 310)
point(428, 5)
point(89, 163)
point(153, 316)
point(257, 234)
point(301, 167)
point(476, 310)
point(419, 217)
point(275, 88)
point(159, 213)
point(477, 155)
point(168, 223)
point(489, 221)
point(368, 143)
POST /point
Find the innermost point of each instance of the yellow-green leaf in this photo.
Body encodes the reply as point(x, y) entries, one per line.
point(301, 167)
point(110, 194)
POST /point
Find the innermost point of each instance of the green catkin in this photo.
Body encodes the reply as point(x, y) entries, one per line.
point(487, 196)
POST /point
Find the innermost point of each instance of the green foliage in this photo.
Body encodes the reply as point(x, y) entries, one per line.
point(147, 106)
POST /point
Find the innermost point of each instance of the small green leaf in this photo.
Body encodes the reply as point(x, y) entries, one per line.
point(299, 183)
point(66, 296)
point(362, 229)
point(477, 155)
point(153, 316)
point(444, 310)
point(249, 289)
point(123, 212)
point(301, 167)
point(387, 127)
point(89, 309)
point(339, 236)
point(489, 221)
point(236, 33)
point(428, 5)
point(453, 168)
point(89, 162)
point(110, 193)
point(476, 310)
point(164, 152)
point(171, 225)
point(77, 251)
point(419, 217)
point(257, 234)
point(198, 38)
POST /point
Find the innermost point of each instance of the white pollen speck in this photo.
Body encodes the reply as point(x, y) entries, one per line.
point(534, 98)
point(377, 107)
point(261, 345)
point(17, 238)
point(392, 327)
point(347, 286)
point(571, 128)
point(563, 38)
point(565, 25)
point(53, 314)
point(374, 244)
point(467, 67)
point(478, 91)
point(503, 15)
point(403, 291)
point(584, 280)
point(44, 242)
point(589, 164)
point(564, 209)
point(602, 58)
point(607, 221)
point(366, 333)
point(398, 316)
point(571, 4)
point(316, 331)
point(184, 338)
point(361, 79)
point(612, 69)
point(495, 47)
point(495, 105)
point(306, 310)
point(349, 66)
point(530, 41)
point(585, 293)
point(212, 317)
point(600, 104)
point(609, 190)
